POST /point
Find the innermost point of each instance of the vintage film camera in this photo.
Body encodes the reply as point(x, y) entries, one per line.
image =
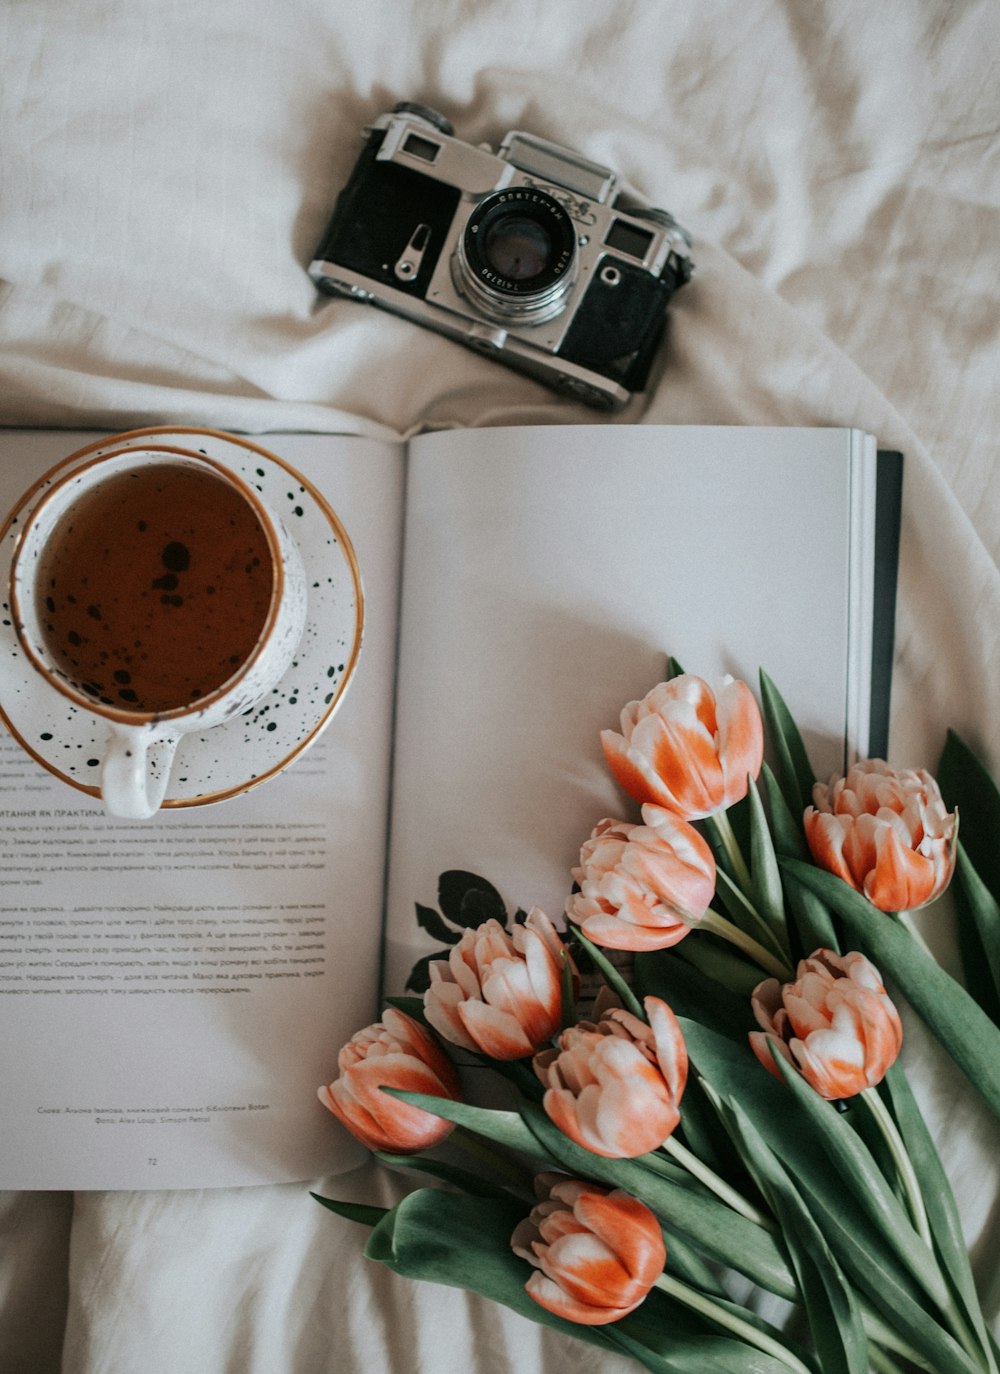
point(533, 254)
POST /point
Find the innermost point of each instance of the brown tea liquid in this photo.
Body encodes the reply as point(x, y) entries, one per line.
point(155, 587)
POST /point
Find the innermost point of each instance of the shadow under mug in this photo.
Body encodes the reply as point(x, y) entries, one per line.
point(154, 589)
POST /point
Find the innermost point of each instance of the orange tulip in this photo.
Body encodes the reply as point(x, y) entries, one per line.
point(642, 886)
point(597, 1253)
point(613, 1087)
point(835, 1024)
point(687, 747)
point(499, 993)
point(396, 1052)
point(887, 833)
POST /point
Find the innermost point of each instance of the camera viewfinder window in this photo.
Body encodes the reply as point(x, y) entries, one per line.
point(422, 148)
point(628, 238)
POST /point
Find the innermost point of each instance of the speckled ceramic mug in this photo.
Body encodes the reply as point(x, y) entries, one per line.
point(154, 589)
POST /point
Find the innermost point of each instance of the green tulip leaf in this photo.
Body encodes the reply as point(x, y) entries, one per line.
point(721, 964)
point(818, 1146)
point(713, 1229)
point(877, 1276)
point(953, 1017)
point(831, 1307)
point(686, 1264)
point(939, 1201)
point(786, 827)
point(981, 910)
point(502, 1127)
point(795, 774)
point(853, 1161)
point(811, 919)
point(464, 1179)
point(464, 1242)
point(967, 787)
point(610, 974)
point(352, 1211)
point(690, 991)
point(764, 873)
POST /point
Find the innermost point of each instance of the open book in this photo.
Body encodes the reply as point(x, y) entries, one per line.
point(173, 992)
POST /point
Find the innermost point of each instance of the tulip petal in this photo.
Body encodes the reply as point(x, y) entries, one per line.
point(671, 1051)
point(633, 773)
point(741, 738)
point(901, 878)
point(496, 1033)
point(628, 1229)
point(550, 1296)
point(394, 1053)
point(614, 933)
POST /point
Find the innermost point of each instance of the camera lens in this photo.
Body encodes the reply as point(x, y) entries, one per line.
point(517, 248)
point(516, 259)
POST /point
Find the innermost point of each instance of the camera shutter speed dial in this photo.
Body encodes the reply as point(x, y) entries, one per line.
point(427, 114)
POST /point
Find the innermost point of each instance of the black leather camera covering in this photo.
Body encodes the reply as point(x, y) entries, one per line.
point(376, 214)
point(617, 329)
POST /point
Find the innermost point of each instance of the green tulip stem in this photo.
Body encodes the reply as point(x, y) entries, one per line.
point(901, 1160)
point(722, 826)
point(475, 1146)
point(750, 912)
point(722, 1190)
point(881, 1362)
point(729, 1321)
point(915, 1206)
point(719, 925)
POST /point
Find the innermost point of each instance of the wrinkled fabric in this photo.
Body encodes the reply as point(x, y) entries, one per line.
point(167, 172)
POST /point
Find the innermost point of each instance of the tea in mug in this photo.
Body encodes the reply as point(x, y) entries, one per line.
point(154, 587)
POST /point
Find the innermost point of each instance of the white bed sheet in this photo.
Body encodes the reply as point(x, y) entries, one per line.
point(166, 169)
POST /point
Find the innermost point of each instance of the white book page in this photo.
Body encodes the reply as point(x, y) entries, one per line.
point(172, 992)
point(548, 573)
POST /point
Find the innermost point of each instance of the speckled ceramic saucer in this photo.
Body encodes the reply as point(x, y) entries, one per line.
point(244, 752)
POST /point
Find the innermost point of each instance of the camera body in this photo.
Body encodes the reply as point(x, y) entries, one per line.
point(532, 254)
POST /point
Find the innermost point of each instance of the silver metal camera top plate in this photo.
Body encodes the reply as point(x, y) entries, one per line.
point(562, 166)
point(455, 163)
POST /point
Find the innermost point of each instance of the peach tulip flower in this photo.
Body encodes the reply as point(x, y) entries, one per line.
point(886, 832)
point(687, 747)
point(498, 992)
point(396, 1052)
point(613, 1087)
point(642, 886)
point(597, 1253)
point(835, 1024)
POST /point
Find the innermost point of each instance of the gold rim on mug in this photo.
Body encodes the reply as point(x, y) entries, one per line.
point(132, 436)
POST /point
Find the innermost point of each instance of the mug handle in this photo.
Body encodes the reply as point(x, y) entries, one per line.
point(136, 769)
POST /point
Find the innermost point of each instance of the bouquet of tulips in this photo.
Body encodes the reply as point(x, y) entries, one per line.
point(732, 1103)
